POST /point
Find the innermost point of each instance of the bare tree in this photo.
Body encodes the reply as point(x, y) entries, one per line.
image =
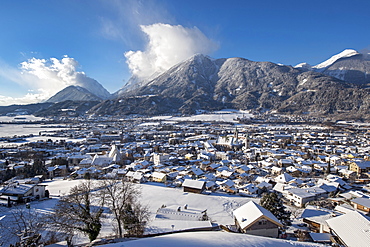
point(122, 199)
point(79, 211)
point(23, 226)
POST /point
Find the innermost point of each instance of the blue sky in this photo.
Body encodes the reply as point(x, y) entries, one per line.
point(95, 37)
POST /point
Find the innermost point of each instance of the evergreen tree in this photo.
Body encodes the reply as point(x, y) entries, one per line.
point(38, 167)
point(273, 203)
point(328, 168)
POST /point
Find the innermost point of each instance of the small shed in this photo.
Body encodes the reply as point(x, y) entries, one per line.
point(194, 186)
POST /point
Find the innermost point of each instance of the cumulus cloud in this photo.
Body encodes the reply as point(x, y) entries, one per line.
point(10, 77)
point(43, 78)
point(29, 98)
point(54, 75)
point(167, 46)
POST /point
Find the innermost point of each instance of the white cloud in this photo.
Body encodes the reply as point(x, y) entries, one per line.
point(57, 74)
point(44, 78)
point(167, 46)
point(29, 98)
point(53, 75)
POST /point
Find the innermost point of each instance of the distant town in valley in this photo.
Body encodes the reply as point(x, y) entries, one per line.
point(318, 171)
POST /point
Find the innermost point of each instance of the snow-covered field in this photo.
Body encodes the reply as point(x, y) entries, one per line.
point(154, 195)
point(9, 130)
point(227, 115)
point(19, 118)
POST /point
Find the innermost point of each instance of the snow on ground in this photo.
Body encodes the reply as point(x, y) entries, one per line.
point(10, 130)
point(219, 205)
point(209, 239)
point(25, 129)
point(219, 208)
point(228, 115)
point(20, 118)
point(58, 187)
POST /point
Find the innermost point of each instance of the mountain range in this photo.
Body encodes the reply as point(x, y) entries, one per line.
point(211, 84)
point(349, 65)
point(337, 87)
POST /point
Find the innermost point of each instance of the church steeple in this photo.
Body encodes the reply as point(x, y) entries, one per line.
point(236, 134)
point(247, 141)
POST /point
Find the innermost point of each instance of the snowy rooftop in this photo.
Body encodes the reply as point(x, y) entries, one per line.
point(179, 213)
point(250, 212)
point(353, 228)
point(193, 183)
point(362, 201)
point(15, 189)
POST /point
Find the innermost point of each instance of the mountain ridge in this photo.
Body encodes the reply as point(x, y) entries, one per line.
point(202, 83)
point(349, 65)
point(76, 93)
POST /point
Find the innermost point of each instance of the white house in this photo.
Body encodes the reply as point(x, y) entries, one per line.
point(22, 192)
point(299, 196)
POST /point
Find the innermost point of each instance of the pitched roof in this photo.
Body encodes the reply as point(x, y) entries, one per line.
point(158, 175)
point(284, 178)
point(247, 214)
point(196, 184)
point(17, 189)
point(362, 201)
point(352, 228)
point(363, 164)
point(179, 213)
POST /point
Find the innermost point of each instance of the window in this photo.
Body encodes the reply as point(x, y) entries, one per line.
point(262, 222)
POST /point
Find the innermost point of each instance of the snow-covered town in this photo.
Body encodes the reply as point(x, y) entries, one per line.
point(162, 123)
point(201, 175)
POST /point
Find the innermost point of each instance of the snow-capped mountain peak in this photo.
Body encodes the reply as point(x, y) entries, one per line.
point(304, 66)
point(333, 59)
